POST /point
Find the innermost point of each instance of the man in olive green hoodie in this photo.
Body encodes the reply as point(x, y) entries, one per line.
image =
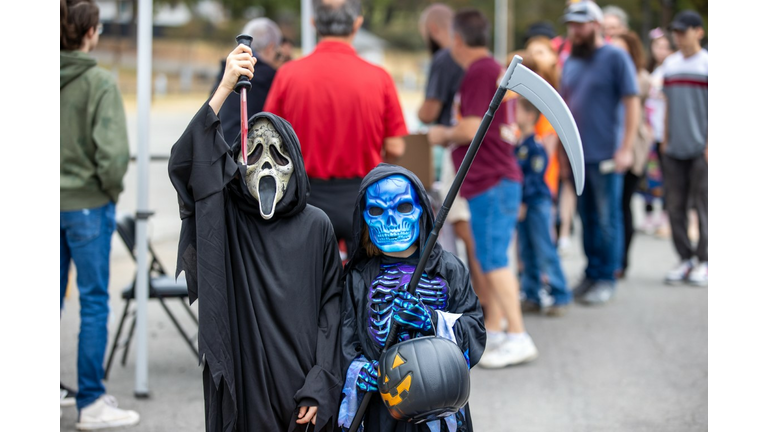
point(94, 158)
point(94, 136)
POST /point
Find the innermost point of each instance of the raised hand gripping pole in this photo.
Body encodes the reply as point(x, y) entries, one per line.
point(522, 80)
point(243, 86)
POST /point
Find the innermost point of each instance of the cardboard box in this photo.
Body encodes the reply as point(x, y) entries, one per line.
point(418, 159)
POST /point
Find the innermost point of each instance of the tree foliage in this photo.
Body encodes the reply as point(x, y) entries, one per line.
point(397, 20)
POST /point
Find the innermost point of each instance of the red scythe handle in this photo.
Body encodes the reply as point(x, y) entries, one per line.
point(243, 86)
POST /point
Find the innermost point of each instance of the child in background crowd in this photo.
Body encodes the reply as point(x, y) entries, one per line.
point(538, 253)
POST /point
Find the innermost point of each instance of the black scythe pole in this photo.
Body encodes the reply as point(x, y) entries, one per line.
point(474, 146)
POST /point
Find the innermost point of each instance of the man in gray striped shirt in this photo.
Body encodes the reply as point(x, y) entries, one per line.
point(684, 161)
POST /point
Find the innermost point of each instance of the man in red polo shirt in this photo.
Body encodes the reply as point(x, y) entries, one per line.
point(345, 111)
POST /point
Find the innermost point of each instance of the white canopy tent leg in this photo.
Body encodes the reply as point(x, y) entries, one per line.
point(144, 97)
point(500, 49)
point(308, 39)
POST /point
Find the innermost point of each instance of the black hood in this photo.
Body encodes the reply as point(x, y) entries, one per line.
point(357, 254)
point(295, 198)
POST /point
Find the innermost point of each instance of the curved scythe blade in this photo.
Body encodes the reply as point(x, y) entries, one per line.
point(532, 87)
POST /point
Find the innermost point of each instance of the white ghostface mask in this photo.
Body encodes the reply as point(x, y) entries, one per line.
point(269, 166)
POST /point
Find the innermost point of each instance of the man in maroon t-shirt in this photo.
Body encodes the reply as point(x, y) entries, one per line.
point(493, 186)
point(345, 111)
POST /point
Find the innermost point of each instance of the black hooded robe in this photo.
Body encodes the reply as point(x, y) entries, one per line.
point(269, 290)
point(361, 270)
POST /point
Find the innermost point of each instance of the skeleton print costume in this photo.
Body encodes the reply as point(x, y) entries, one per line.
point(445, 303)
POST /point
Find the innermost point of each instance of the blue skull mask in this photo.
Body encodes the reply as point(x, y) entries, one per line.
point(392, 213)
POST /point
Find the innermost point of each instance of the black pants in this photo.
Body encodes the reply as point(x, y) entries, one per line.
point(630, 186)
point(336, 197)
point(685, 181)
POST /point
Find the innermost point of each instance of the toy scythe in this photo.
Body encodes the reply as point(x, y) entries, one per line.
point(528, 84)
point(243, 86)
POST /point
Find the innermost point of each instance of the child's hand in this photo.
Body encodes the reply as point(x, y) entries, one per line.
point(410, 312)
point(239, 62)
point(522, 212)
point(307, 414)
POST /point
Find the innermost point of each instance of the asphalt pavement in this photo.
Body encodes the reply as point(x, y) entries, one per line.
point(638, 363)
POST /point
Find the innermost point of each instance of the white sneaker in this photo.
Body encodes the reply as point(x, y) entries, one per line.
point(103, 413)
point(66, 396)
point(699, 275)
point(649, 224)
point(511, 352)
point(494, 340)
point(680, 273)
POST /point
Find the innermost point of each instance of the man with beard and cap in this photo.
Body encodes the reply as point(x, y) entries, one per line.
point(265, 267)
point(392, 220)
point(599, 84)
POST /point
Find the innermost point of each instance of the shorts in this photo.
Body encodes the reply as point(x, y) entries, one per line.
point(337, 198)
point(494, 217)
point(459, 211)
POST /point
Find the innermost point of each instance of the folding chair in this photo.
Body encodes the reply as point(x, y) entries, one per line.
point(161, 286)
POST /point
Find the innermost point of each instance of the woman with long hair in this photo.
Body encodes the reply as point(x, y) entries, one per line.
point(655, 106)
point(631, 43)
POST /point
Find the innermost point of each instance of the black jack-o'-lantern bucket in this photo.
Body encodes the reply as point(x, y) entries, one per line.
point(423, 379)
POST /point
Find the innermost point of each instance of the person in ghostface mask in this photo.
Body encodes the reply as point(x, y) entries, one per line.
point(264, 267)
point(392, 221)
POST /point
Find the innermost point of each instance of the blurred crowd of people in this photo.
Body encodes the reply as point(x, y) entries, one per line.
point(631, 104)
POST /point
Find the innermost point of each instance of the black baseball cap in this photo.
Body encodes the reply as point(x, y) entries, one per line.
point(685, 20)
point(542, 28)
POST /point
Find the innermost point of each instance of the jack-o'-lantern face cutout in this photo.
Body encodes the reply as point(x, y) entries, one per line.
point(393, 395)
point(423, 379)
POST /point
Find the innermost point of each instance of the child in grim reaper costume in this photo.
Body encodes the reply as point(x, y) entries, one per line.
point(265, 269)
point(392, 220)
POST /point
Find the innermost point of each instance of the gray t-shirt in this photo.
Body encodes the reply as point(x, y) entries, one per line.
point(444, 78)
point(686, 88)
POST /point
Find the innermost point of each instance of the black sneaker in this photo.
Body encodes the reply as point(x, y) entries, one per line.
point(581, 289)
point(528, 306)
point(67, 395)
point(556, 310)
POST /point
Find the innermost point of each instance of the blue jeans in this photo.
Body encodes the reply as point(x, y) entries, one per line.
point(493, 217)
point(602, 222)
point(538, 253)
point(85, 239)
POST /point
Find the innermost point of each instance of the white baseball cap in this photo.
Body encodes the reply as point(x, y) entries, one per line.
point(582, 11)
